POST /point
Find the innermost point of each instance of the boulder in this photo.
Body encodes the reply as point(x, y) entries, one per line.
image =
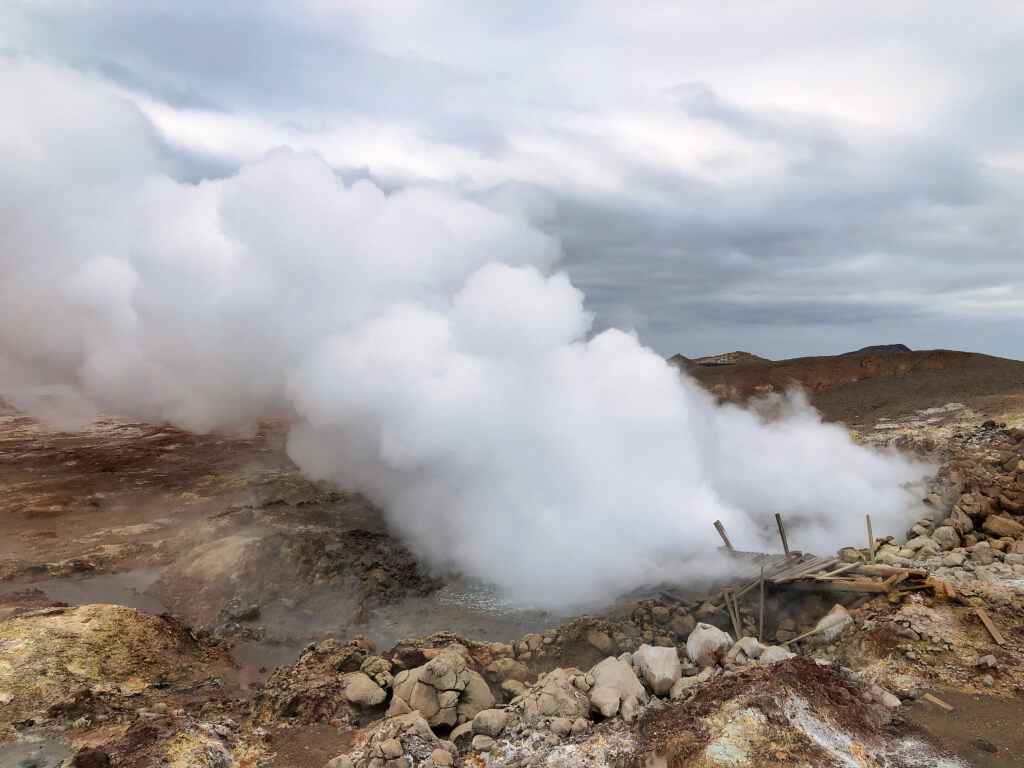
point(659, 667)
point(360, 690)
point(707, 645)
point(553, 695)
point(490, 722)
point(946, 537)
point(773, 654)
point(684, 684)
point(618, 674)
point(750, 647)
point(982, 553)
point(961, 522)
point(920, 542)
point(604, 700)
point(475, 698)
point(997, 525)
point(600, 641)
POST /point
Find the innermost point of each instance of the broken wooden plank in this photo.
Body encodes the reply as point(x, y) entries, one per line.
point(937, 702)
point(837, 571)
point(810, 567)
point(871, 541)
point(782, 533)
point(839, 585)
point(721, 532)
point(992, 630)
point(733, 612)
point(888, 570)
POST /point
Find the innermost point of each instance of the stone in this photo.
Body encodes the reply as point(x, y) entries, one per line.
point(850, 555)
point(658, 667)
point(884, 698)
point(362, 691)
point(561, 726)
point(600, 641)
point(475, 697)
point(618, 674)
point(982, 553)
point(490, 722)
point(920, 542)
point(629, 709)
point(604, 700)
point(773, 654)
point(442, 758)
point(684, 684)
point(946, 537)
point(1013, 559)
point(554, 696)
point(988, 681)
point(391, 748)
point(507, 669)
point(750, 647)
point(580, 726)
point(988, 661)
point(341, 761)
point(953, 559)
point(707, 645)
point(832, 624)
point(681, 624)
point(961, 522)
point(482, 743)
point(512, 688)
point(997, 525)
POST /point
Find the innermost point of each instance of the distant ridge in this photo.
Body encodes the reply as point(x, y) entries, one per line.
point(880, 349)
point(730, 358)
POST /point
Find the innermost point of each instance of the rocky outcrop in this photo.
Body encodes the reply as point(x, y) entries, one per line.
point(554, 695)
point(444, 690)
point(405, 740)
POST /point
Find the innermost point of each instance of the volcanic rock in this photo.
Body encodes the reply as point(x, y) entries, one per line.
point(362, 691)
point(997, 525)
point(618, 674)
point(659, 667)
point(707, 645)
point(604, 700)
point(489, 722)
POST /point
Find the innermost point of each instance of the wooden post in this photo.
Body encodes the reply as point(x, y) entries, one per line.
point(734, 612)
point(871, 541)
point(782, 533)
point(721, 532)
point(760, 623)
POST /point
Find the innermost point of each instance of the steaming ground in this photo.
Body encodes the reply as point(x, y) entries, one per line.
point(420, 345)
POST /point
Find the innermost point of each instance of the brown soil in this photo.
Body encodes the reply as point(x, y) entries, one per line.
point(974, 721)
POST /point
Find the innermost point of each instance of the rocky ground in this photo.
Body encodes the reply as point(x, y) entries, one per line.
point(251, 630)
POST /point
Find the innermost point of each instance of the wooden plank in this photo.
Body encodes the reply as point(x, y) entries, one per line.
point(839, 585)
point(733, 613)
point(992, 630)
point(721, 532)
point(889, 570)
point(782, 533)
point(948, 586)
point(937, 702)
point(817, 564)
point(837, 571)
point(871, 541)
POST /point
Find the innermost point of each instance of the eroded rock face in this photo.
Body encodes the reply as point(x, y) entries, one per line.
point(403, 740)
point(317, 686)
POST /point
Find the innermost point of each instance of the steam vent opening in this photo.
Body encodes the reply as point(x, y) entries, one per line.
point(363, 401)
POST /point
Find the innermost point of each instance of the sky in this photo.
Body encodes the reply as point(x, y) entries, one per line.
point(785, 178)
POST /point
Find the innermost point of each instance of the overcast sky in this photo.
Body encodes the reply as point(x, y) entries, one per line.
point(786, 178)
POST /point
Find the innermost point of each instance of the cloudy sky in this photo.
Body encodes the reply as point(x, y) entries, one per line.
point(786, 178)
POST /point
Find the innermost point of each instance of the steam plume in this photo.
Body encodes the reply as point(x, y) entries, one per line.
point(422, 344)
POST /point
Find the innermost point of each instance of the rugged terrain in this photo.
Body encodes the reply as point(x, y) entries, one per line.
point(175, 599)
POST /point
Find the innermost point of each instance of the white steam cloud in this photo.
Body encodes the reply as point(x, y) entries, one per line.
point(421, 344)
